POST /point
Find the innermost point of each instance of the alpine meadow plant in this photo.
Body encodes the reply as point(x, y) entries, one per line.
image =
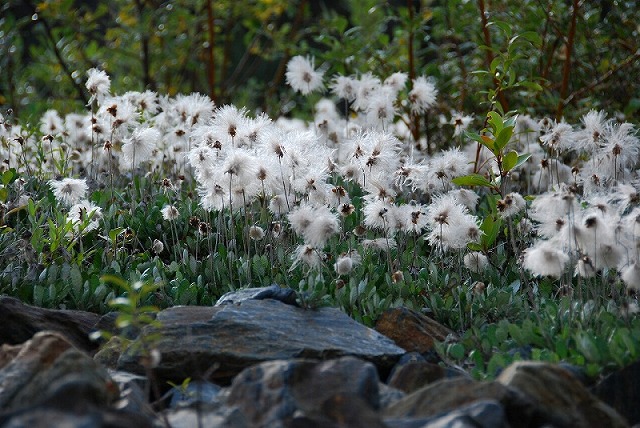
point(513, 230)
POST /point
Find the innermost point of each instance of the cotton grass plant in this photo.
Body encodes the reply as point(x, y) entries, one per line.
point(349, 210)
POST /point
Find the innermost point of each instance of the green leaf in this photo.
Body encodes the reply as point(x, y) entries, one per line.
point(587, 346)
point(530, 36)
point(113, 233)
point(503, 138)
point(509, 161)
point(4, 194)
point(496, 363)
point(516, 334)
point(115, 280)
point(8, 176)
point(490, 228)
point(529, 85)
point(456, 351)
point(31, 208)
point(506, 28)
point(495, 121)
point(472, 180)
point(511, 121)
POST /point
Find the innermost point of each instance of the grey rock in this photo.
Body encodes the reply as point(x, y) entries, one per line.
point(274, 291)
point(412, 376)
point(196, 391)
point(559, 395)
point(216, 343)
point(133, 395)
point(308, 393)
point(51, 383)
point(47, 417)
point(205, 417)
point(480, 414)
point(389, 395)
point(20, 322)
point(73, 379)
point(620, 391)
point(35, 356)
point(447, 395)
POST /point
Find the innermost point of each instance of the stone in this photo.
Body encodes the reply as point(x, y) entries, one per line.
point(217, 343)
point(411, 330)
point(338, 411)
point(412, 376)
point(308, 393)
point(389, 395)
point(196, 391)
point(73, 379)
point(20, 322)
point(274, 291)
point(447, 395)
point(620, 391)
point(35, 356)
point(205, 417)
point(559, 395)
point(132, 393)
point(8, 353)
point(47, 417)
point(111, 350)
point(479, 414)
point(51, 383)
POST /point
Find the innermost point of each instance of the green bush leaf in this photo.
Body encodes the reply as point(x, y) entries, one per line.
point(509, 161)
point(503, 138)
point(456, 351)
point(472, 180)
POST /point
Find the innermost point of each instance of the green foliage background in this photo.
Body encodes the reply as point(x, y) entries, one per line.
point(237, 51)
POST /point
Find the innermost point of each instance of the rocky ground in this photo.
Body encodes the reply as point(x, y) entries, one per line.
point(256, 359)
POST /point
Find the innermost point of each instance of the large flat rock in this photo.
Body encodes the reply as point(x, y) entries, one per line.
point(218, 342)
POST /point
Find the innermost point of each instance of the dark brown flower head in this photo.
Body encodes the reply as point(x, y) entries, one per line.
point(340, 191)
point(262, 173)
point(347, 209)
point(203, 228)
point(113, 110)
point(415, 215)
point(590, 222)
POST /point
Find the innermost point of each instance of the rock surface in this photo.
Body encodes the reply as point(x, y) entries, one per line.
point(20, 322)
point(51, 383)
point(259, 362)
point(411, 330)
point(216, 343)
point(557, 394)
point(274, 292)
point(280, 393)
point(620, 390)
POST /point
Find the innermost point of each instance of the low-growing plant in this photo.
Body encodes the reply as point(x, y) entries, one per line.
point(521, 237)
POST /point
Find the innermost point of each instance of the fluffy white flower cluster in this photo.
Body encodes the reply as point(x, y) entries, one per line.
point(597, 233)
point(586, 220)
point(83, 215)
